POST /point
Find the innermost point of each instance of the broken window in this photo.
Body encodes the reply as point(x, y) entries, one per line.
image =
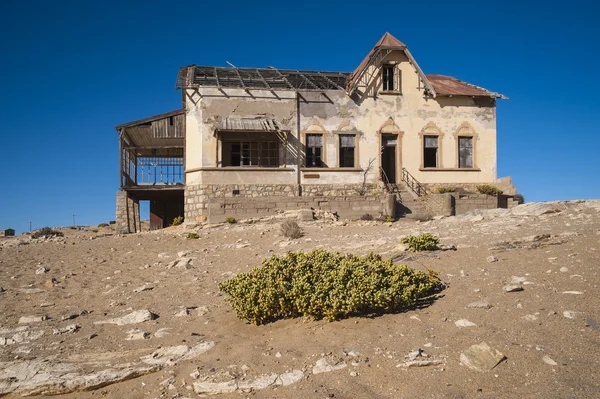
point(390, 78)
point(465, 152)
point(253, 153)
point(430, 152)
point(347, 147)
point(314, 150)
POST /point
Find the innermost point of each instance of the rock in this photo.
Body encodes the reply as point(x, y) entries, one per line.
point(42, 270)
point(144, 287)
point(464, 323)
point(573, 292)
point(446, 247)
point(202, 310)
point(30, 290)
point(479, 305)
point(591, 323)
point(213, 388)
point(184, 253)
point(261, 382)
point(70, 316)
point(161, 332)
point(136, 334)
point(549, 361)
point(138, 316)
point(421, 363)
point(564, 269)
point(491, 259)
point(322, 366)
point(2, 290)
point(530, 317)
point(195, 374)
point(31, 319)
point(517, 280)
point(46, 304)
point(184, 263)
point(305, 215)
point(171, 354)
point(569, 314)
point(71, 328)
point(481, 357)
point(353, 374)
point(164, 255)
point(512, 288)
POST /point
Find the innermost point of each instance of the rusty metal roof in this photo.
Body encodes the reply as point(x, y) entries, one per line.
point(251, 124)
point(450, 86)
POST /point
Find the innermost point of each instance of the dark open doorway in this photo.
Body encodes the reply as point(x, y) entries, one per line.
point(165, 208)
point(388, 156)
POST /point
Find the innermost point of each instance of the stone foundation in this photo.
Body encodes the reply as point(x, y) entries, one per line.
point(346, 207)
point(128, 214)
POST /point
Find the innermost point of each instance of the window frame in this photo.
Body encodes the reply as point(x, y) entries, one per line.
point(396, 79)
point(253, 147)
point(437, 152)
point(458, 157)
point(354, 150)
point(466, 130)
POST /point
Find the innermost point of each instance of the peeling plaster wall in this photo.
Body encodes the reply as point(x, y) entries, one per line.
point(367, 113)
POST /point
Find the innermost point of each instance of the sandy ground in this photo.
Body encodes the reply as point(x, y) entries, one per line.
point(550, 348)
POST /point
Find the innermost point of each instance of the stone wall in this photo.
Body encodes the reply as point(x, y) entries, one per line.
point(347, 207)
point(469, 202)
point(128, 214)
point(439, 204)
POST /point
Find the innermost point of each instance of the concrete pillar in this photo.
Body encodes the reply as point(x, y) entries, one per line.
point(128, 214)
point(448, 205)
point(390, 205)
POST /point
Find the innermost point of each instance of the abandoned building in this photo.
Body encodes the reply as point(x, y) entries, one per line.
point(7, 233)
point(251, 141)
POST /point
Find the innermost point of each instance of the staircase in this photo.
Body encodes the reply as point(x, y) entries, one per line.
point(408, 200)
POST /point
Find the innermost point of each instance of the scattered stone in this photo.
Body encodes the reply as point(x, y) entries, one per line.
point(481, 357)
point(564, 269)
point(305, 215)
point(183, 263)
point(573, 292)
point(479, 305)
point(138, 316)
point(51, 283)
point(464, 323)
point(353, 374)
point(144, 287)
point(184, 253)
point(71, 328)
point(517, 280)
point(530, 317)
point(46, 304)
point(446, 247)
point(30, 290)
point(261, 382)
point(183, 312)
point(491, 259)
point(548, 360)
point(421, 363)
point(31, 319)
point(591, 323)
point(202, 310)
point(164, 255)
point(42, 270)
point(512, 288)
point(172, 354)
point(2, 290)
point(195, 374)
point(322, 366)
point(70, 316)
point(278, 355)
point(161, 332)
point(569, 314)
point(136, 334)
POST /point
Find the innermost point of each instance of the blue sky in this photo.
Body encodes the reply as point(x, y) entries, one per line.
point(72, 70)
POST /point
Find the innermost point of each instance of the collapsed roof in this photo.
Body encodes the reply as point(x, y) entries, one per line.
point(193, 76)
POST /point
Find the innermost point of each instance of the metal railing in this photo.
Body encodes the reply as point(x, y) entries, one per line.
point(413, 183)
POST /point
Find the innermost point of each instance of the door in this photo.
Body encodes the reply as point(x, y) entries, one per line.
point(388, 157)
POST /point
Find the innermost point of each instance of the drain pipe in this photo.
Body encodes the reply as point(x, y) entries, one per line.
point(298, 158)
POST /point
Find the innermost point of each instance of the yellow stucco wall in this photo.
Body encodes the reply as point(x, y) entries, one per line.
point(409, 113)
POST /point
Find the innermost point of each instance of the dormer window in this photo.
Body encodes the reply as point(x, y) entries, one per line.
point(390, 75)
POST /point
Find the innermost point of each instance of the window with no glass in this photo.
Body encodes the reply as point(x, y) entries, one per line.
point(347, 150)
point(430, 152)
point(250, 153)
point(314, 150)
point(465, 152)
point(391, 78)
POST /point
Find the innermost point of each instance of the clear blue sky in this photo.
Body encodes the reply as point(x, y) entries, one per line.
point(72, 70)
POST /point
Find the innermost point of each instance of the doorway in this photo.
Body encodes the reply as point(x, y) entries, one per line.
point(389, 143)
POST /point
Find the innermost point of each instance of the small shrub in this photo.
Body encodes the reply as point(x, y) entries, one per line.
point(388, 219)
point(446, 189)
point(366, 216)
point(421, 242)
point(290, 229)
point(177, 221)
point(103, 225)
point(376, 193)
point(519, 198)
point(46, 232)
point(192, 236)
point(488, 189)
point(230, 220)
point(95, 230)
point(580, 201)
point(327, 285)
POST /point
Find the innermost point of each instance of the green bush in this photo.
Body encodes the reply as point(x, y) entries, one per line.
point(95, 230)
point(321, 284)
point(291, 229)
point(177, 221)
point(103, 225)
point(421, 242)
point(192, 236)
point(47, 232)
point(230, 220)
point(446, 189)
point(488, 189)
point(388, 219)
